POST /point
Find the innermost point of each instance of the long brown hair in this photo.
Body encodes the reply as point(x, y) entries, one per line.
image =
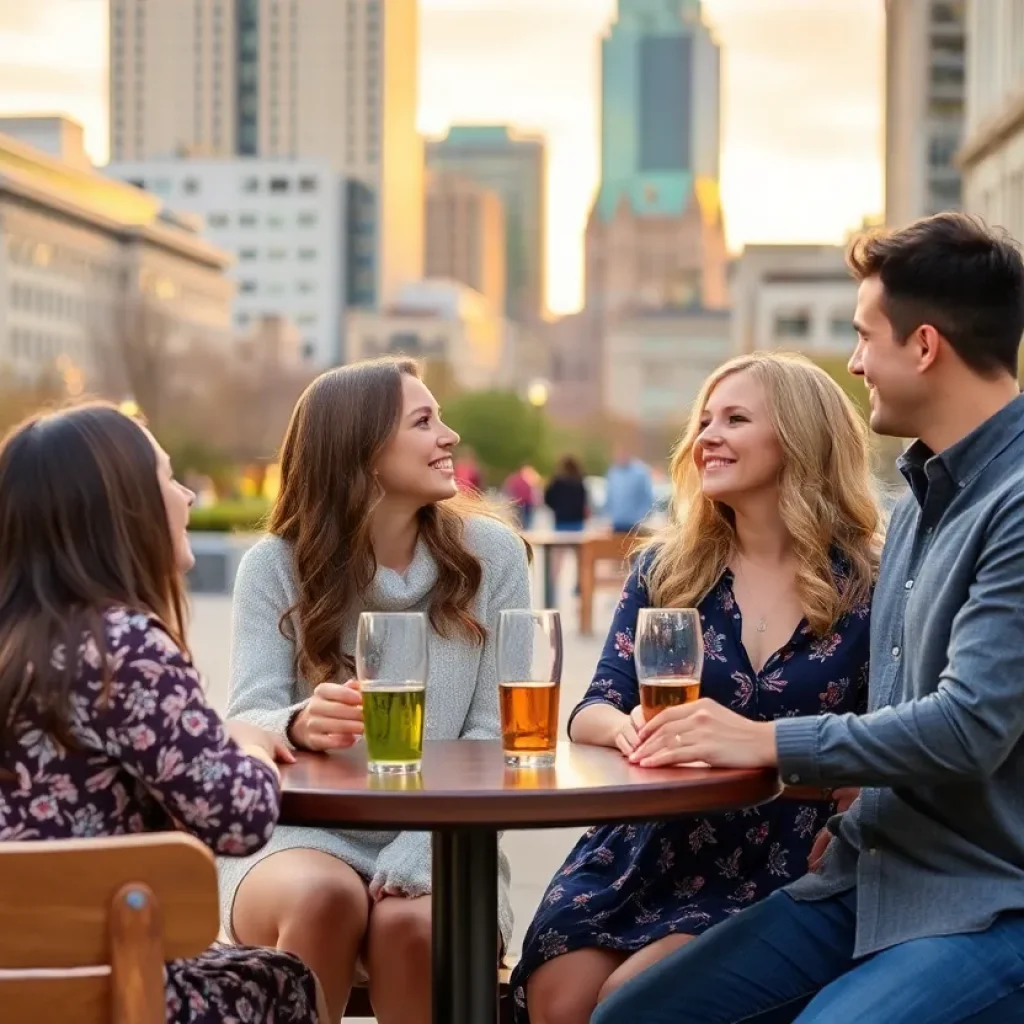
point(83, 528)
point(339, 428)
point(825, 495)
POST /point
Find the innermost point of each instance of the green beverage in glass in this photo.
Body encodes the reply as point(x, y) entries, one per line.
point(393, 723)
point(391, 664)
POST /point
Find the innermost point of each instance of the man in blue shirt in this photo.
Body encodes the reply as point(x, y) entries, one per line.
point(915, 912)
point(629, 491)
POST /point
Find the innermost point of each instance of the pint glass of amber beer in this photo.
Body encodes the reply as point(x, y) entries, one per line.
point(529, 676)
point(669, 654)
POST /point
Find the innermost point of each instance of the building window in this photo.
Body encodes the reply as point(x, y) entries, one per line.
point(248, 287)
point(218, 220)
point(841, 326)
point(251, 185)
point(190, 186)
point(305, 287)
point(275, 220)
point(307, 219)
point(248, 220)
point(277, 255)
point(307, 255)
point(793, 325)
point(307, 320)
point(247, 255)
point(279, 185)
point(307, 183)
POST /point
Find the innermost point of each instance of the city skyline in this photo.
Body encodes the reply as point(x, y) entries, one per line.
point(802, 117)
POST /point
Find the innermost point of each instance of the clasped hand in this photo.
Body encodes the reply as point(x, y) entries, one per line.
point(332, 718)
point(702, 731)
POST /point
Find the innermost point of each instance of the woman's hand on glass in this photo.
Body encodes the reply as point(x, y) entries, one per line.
point(332, 718)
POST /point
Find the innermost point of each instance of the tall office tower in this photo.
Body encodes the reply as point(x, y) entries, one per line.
point(655, 237)
point(514, 166)
point(323, 79)
point(924, 107)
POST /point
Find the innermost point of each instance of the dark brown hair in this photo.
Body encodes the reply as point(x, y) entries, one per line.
point(953, 272)
point(338, 430)
point(83, 528)
point(569, 466)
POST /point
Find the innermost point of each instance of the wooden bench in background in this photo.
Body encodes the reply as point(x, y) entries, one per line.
point(86, 925)
point(600, 551)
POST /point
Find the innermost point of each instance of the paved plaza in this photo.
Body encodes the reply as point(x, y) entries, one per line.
point(534, 855)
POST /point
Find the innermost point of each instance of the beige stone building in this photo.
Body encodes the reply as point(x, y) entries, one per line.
point(793, 297)
point(992, 156)
point(86, 262)
point(321, 79)
point(437, 322)
point(465, 235)
point(653, 364)
point(924, 106)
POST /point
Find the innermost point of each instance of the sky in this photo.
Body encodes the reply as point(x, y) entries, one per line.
point(802, 111)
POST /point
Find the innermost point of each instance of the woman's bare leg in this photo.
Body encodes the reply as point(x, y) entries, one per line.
point(565, 990)
point(313, 905)
point(640, 961)
point(398, 960)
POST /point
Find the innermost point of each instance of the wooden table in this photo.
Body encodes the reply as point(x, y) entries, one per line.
point(465, 796)
point(542, 541)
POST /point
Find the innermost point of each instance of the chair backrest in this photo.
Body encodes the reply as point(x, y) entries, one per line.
point(86, 925)
point(614, 547)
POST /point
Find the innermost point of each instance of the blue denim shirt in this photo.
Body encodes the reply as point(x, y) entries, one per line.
point(935, 844)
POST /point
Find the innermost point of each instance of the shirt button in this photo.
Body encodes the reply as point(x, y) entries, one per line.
point(896, 652)
point(873, 852)
point(909, 585)
point(794, 779)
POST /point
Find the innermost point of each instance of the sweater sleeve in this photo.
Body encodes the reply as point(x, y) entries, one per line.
point(507, 577)
point(263, 673)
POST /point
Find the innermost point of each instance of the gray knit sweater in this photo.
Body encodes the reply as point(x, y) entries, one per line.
point(462, 689)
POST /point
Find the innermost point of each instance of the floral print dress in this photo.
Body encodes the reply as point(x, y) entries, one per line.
point(155, 757)
point(625, 886)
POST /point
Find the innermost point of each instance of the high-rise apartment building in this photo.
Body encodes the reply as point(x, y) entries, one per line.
point(322, 79)
point(924, 107)
point(465, 235)
point(655, 236)
point(992, 155)
point(514, 166)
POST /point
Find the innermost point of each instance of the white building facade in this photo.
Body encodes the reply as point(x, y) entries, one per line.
point(992, 156)
point(795, 297)
point(284, 223)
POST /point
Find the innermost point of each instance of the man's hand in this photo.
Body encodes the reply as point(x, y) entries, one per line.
point(332, 718)
point(705, 731)
point(844, 798)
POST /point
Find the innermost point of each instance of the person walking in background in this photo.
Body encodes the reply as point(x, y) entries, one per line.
point(629, 491)
point(520, 489)
point(566, 496)
point(467, 471)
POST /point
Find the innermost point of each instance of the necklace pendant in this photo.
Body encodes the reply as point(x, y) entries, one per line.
point(762, 625)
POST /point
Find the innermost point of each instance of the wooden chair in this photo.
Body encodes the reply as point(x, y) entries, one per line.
point(613, 548)
point(86, 925)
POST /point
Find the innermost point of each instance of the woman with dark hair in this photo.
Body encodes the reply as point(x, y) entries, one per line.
point(369, 518)
point(104, 728)
point(566, 495)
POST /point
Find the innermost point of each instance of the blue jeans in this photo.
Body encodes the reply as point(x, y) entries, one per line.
point(784, 961)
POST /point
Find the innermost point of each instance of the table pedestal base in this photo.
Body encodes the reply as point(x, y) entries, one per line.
point(465, 925)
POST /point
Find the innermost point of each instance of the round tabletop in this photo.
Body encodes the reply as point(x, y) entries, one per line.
point(466, 782)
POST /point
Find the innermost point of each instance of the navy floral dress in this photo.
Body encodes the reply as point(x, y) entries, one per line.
point(623, 887)
point(154, 757)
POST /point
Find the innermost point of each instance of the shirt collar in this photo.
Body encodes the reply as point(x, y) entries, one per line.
point(960, 463)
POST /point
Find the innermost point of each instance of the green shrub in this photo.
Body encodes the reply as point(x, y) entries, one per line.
point(244, 516)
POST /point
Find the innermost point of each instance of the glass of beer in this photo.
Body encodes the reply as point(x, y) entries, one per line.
point(391, 664)
point(669, 654)
point(529, 675)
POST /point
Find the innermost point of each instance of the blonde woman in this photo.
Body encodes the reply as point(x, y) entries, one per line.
point(774, 538)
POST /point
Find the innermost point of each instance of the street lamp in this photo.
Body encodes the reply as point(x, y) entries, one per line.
point(129, 407)
point(537, 393)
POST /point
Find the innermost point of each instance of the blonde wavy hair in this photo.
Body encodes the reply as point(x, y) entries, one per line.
point(826, 496)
